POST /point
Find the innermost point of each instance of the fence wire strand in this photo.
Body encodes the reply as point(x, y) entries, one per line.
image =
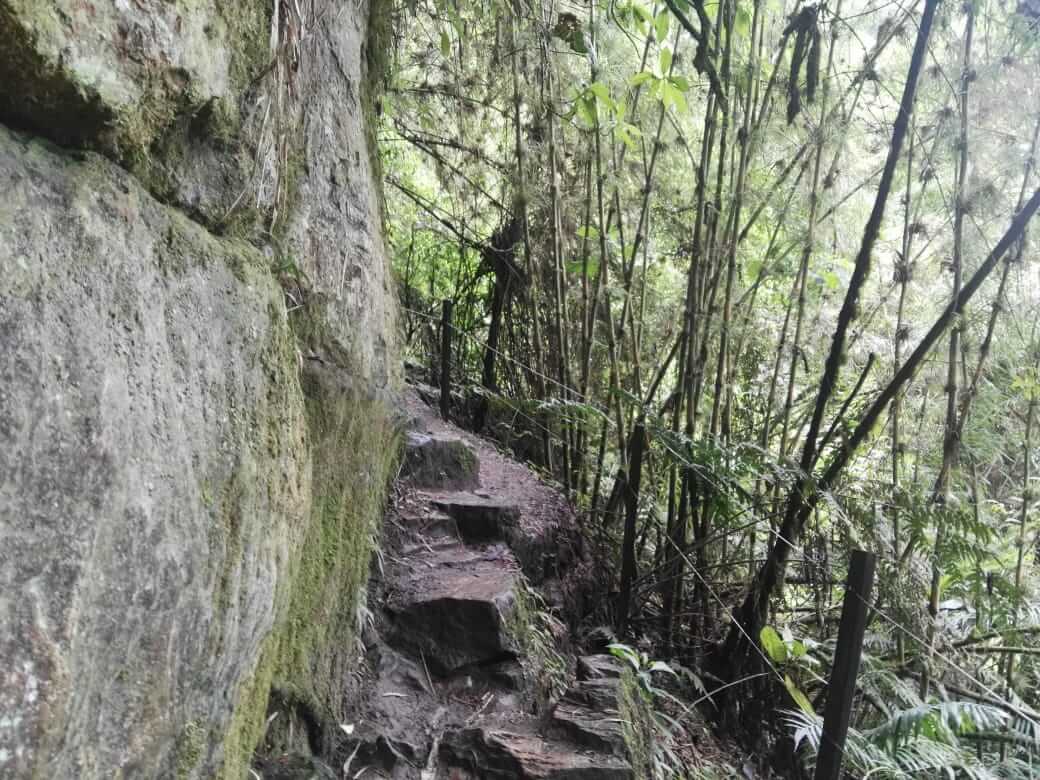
point(994, 696)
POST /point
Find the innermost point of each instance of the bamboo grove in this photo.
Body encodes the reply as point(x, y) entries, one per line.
point(754, 284)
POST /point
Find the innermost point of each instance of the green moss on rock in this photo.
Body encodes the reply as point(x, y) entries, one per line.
point(637, 724)
point(190, 745)
point(318, 453)
point(37, 95)
point(353, 446)
point(63, 84)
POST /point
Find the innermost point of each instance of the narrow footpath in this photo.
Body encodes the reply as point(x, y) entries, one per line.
point(469, 667)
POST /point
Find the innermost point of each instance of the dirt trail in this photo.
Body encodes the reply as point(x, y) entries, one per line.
point(461, 656)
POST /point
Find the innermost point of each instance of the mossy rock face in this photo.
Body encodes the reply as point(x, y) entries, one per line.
point(188, 495)
point(637, 724)
point(199, 515)
point(154, 447)
point(112, 76)
point(218, 109)
point(310, 653)
point(166, 88)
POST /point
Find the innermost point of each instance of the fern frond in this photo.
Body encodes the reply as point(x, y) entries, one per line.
point(941, 722)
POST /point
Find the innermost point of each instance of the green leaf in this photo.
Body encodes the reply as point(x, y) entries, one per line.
point(667, 91)
point(831, 280)
point(798, 649)
point(586, 108)
point(680, 101)
point(661, 26)
point(641, 78)
point(665, 61)
point(773, 645)
point(588, 231)
point(625, 653)
point(681, 83)
point(601, 93)
point(445, 43)
point(1027, 383)
point(672, 96)
point(661, 666)
point(645, 17)
point(799, 698)
point(627, 134)
point(577, 267)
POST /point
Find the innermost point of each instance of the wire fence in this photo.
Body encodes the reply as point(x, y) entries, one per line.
point(927, 648)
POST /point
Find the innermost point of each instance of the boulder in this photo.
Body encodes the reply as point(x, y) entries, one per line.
point(587, 714)
point(600, 695)
point(191, 471)
point(439, 461)
point(599, 666)
point(153, 470)
point(116, 74)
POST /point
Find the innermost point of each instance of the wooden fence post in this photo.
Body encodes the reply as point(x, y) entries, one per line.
point(446, 306)
point(842, 686)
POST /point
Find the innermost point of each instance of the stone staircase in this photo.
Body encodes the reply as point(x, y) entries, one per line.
point(449, 693)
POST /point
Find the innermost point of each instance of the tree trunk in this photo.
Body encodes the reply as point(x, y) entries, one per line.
point(628, 544)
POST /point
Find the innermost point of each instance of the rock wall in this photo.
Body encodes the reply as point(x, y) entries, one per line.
point(196, 376)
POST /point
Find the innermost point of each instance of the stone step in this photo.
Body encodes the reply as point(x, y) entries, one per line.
point(479, 518)
point(450, 606)
point(426, 522)
point(435, 541)
point(440, 461)
point(294, 767)
point(498, 754)
point(588, 715)
point(599, 666)
point(392, 727)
